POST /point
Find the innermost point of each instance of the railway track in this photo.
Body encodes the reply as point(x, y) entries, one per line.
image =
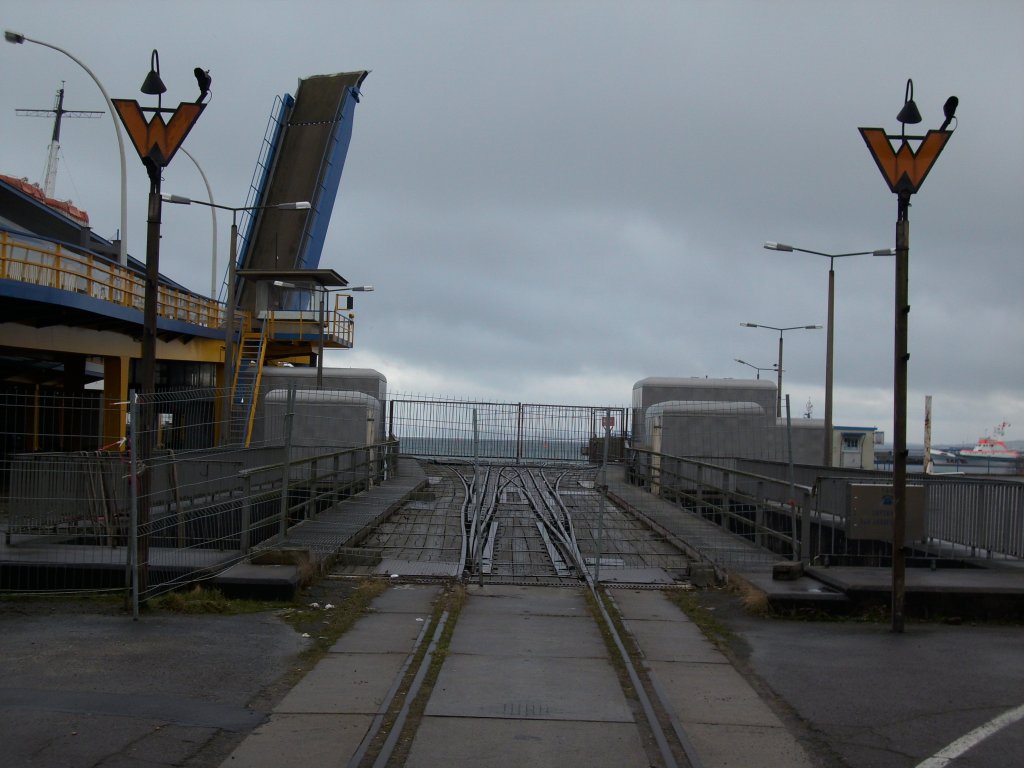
point(522, 525)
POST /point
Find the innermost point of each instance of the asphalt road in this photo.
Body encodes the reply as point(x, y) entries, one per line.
point(81, 684)
point(876, 699)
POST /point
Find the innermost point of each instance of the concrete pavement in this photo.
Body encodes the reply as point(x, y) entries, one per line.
point(526, 681)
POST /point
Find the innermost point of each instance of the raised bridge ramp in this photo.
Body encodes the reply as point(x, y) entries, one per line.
point(306, 147)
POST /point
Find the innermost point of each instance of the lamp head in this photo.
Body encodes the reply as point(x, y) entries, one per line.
point(778, 247)
point(13, 37)
point(153, 85)
point(749, 325)
point(949, 110)
point(176, 199)
point(302, 205)
point(813, 327)
point(910, 113)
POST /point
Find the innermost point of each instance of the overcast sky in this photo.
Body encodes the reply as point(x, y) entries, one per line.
point(555, 200)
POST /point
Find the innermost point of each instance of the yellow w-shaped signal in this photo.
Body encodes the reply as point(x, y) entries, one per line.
point(905, 169)
point(156, 140)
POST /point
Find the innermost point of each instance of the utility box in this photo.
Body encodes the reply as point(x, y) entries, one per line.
point(594, 450)
point(869, 512)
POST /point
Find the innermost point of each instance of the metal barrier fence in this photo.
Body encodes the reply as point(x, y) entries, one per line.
point(168, 505)
point(804, 510)
point(506, 431)
point(150, 517)
point(770, 512)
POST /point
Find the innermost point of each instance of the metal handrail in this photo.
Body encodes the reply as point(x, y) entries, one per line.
point(338, 325)
point(52, 265)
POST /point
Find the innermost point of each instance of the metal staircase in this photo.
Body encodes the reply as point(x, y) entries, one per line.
point(248, 372)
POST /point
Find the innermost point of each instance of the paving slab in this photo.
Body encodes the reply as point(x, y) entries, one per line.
point(506, 600)
point(729, 746)
point(308, 740)
point(528, 635)
point(650, 575)
point(673, 641)
point(383, 633)
point(647, 604)
point(406, 598)
point(712, 693)
point(662, 631)
point(447, 741)
point(300, 739)
point(550, 688)
point(355, 683)
point(395, 567)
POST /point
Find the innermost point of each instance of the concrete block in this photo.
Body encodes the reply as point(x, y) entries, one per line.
point(787, 570)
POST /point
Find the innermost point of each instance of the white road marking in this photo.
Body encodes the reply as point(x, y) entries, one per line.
point(952, 751)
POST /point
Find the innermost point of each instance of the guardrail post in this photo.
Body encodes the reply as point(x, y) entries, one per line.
point(246, 521)
point(335, 471)
point(133, 525)
point(986, 516)
point(312, 503)
point(805, 528)
point(759, 514)
point(368, 461)
point(286, 463)
point(519, 432)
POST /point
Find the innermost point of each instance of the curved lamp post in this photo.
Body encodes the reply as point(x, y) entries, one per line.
point(18, 38)
point(830, 332)
point(904, 170)
point(213, 225)
point(778, 406)
point(756, 367)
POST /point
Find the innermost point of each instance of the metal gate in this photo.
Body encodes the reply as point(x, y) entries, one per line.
point(507, 431)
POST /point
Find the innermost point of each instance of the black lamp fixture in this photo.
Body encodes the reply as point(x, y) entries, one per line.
point(153, 85)
point(910, 113)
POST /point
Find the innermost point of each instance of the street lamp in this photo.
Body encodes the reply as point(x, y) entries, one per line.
point(17, 39)
point(156, 141)
point(229, 315)
point(755, 367)
point(904, 170)
point(830, 332)
point(778, 406)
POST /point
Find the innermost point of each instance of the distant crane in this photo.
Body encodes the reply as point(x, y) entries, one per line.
point(50, 177)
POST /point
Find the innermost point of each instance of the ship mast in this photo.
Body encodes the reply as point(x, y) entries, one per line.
point(58, 111)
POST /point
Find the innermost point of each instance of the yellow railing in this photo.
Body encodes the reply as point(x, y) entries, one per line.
point(338, 325)
point(54, 266)
point(342, 325)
